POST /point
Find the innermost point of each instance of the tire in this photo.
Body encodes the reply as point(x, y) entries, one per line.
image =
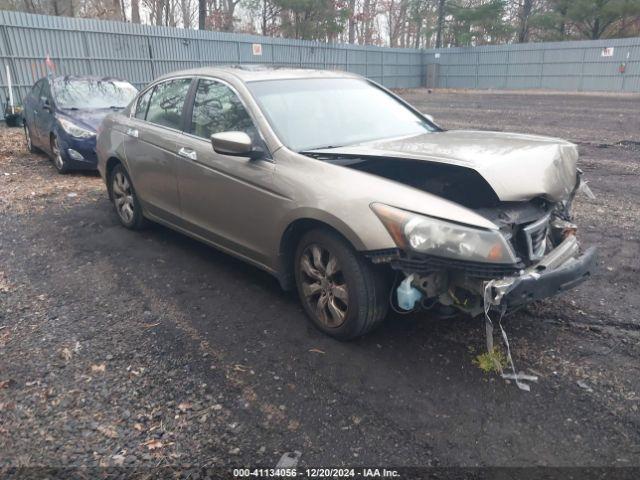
point(125, 200)
point(28, 139)
point(343, 294)
point(56, 156)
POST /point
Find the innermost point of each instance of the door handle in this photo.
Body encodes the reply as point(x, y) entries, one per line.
point(132, 132)
point(188, 153)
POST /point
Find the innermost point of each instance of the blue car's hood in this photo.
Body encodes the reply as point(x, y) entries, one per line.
point(88, 118)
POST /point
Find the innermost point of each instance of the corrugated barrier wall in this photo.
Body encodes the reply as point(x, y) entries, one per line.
point(140, 53)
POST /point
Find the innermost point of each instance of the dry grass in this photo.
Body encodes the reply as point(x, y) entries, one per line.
point(29, 182)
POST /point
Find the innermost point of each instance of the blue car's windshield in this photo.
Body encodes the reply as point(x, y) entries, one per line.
point(89, 94)
point(314, 113)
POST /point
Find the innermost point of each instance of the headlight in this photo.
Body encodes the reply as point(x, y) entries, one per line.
point(444, 239)
point(75, 130)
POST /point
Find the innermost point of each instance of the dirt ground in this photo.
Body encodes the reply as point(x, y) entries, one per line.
point(120, 348)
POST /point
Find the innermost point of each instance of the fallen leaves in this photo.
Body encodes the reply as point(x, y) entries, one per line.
point(29, 182)
point(66, 354)
point(316, 350)
point(109, 432)
point(4, 283)
point(98, 368)
point(6, 383)
point(153, 444)
point(184, 406)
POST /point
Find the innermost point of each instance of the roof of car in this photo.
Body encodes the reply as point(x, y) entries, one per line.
point(90, 78)
point(251, 73)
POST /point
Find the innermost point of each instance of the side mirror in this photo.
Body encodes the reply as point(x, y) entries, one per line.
point(237, 144)
point(46, 105)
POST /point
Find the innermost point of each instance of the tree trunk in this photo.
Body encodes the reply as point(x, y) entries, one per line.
point(229, 11)
point(352, 21)
point(264, 17)
point(185, 6)
point(595, 31)
point(366, 10)
point(117, 10)
point(63, 8)
point(135, 11)
point(525, 13)
point(440, 26)
point(202, 14)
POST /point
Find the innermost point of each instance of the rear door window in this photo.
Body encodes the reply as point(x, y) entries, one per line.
point(167, 101)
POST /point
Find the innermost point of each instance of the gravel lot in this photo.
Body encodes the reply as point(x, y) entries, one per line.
point(149, 349)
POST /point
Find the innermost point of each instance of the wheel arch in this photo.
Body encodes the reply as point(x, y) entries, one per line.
point(294, 231)
point(110, 164)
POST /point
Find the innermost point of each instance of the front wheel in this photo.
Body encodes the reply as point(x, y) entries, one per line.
point(341, 292)
point(58, 160)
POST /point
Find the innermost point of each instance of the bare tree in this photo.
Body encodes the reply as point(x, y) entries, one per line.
point(524, 15)
point(135, 11)
point(440, 25)
point(187, 13)
point(202, 14)
point(63, 8)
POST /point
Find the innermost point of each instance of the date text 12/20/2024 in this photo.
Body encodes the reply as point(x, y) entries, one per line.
point(316, 472)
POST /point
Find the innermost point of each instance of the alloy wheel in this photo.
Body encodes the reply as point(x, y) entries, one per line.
point(57, 154)
point(323, 285)
point(27, 136)
point(123, 197)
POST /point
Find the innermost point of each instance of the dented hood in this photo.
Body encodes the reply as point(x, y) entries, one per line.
point(516, 166)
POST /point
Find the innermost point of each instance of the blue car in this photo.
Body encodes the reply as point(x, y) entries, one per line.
point(62, 114)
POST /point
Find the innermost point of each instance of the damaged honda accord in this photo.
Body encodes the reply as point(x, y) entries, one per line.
point(346, 192)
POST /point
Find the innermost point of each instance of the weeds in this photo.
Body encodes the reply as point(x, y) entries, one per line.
point(493, 361)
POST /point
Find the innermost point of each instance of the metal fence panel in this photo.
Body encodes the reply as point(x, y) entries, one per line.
point(598, 65)
point(141, 53)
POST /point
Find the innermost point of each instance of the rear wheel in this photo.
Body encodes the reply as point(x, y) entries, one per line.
point(342, 293)
point(125, 200)
point(58, 160)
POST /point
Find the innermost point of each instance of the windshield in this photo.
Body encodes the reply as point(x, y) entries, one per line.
point(89, 94)
point(309, 114)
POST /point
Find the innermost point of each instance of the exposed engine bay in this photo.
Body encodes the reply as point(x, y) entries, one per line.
point(541, 233)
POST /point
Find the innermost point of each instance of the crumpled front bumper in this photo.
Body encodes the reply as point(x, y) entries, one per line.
point(561, 269)
point(549, 283)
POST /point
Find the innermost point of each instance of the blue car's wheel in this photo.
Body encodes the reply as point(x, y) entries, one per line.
point(28, 139)
point(56, 153)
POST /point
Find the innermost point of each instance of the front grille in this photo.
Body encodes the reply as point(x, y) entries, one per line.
point(535, 235)
point(426, 264)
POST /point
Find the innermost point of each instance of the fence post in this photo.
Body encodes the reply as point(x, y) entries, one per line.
point(12, 66)
point(150, 52)
point(581, 79)
point(346, 58)
point(366, 62)
point(541, 68)
point(477, 65)
point(506, 76)
point(85, 49)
